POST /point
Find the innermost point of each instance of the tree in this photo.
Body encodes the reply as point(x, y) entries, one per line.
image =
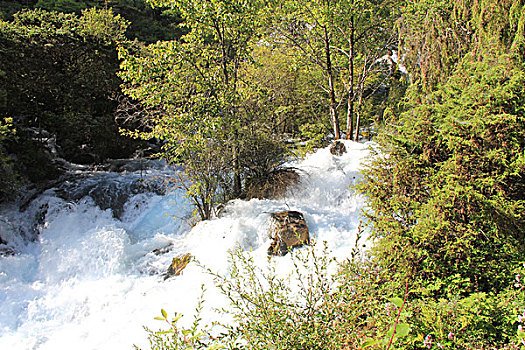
point(436, 35)
point(307, 25)
point(57, 75)
point(285, 93)
point(346, 41)
point(146, 24)
point(196, 86)
point(366, 38)
point(446, 194)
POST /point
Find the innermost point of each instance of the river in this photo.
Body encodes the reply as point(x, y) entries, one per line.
point(91, 279)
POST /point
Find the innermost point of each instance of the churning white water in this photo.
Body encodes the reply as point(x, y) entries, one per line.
point(91, 281)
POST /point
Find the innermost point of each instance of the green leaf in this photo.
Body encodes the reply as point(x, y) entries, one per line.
point(396, 301)
point(371, 342)
point(176, 318)
point(164, 313)
point(402, 329)
point(160, 318)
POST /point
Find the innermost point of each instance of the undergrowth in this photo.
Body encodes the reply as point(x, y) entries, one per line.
point(326, 304)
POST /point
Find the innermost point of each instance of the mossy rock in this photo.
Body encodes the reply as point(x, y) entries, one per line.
point(338, 148)
point(289, 230)
point(178, 264)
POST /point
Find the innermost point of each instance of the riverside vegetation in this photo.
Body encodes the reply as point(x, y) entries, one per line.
point(441, 84)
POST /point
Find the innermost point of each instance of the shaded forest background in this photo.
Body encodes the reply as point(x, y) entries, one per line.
point(59, 93)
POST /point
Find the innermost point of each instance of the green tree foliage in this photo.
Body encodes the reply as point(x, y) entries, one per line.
point(306, 25)
point(364, 40)
point(8, 176)
point(203, 114)
point(341, 44)
point(65, 5)
point(149, 24)
point(145, 23)
point(285, 93)
point(58, 74)
point(435, 35)
point(446, 193)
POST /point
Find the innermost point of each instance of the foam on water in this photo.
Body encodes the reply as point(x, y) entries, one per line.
point(91, 281)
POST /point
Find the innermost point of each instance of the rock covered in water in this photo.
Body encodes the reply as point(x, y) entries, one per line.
point(163, 250)
point(134, 165)
point(108, 190)
point(177, 265)
point(337, 148)
point(288, 231)
point(4, 249)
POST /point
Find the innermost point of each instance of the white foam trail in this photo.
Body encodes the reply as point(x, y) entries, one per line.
point(92, 281)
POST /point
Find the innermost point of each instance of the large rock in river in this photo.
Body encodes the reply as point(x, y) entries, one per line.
point(337, 148)
point(288, 231)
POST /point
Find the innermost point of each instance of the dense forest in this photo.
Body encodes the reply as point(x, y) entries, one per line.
point(232, 88)
point(59, 92)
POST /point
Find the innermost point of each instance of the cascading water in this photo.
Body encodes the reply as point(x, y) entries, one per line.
point(91, 279)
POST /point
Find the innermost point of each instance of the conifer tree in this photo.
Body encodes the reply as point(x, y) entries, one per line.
point(446, 191)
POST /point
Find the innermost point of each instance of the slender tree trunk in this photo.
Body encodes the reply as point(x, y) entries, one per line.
point(358, 117)
point(350, 116)
point(237, 184)
point(331, 87)
point(350, 105)
point(236, 173)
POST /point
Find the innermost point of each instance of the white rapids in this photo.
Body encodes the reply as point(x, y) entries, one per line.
point(91, 281)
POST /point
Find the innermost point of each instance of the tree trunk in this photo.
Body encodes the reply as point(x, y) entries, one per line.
point(236, 173)
point(358, 118)
point(331, 87)
point(350, 116)
point(350, 109)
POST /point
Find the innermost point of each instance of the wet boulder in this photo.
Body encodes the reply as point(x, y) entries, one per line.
point(178, 264)
point(163, 250)
point(288, 231)
point(108, 190)
point(337, 148)
point(4, 249)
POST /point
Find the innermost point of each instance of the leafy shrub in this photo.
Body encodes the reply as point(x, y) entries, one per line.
point(446, 196)
point(177, 337)
point(320, 304)
point(323, 304)
point(476, 321)
point(274, 184)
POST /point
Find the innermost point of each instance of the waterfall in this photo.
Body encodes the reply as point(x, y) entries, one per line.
point(93, 275)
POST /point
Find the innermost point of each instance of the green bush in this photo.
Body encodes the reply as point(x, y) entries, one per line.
point(320, 304)
point(323, 304)
point(447, 193)
point(8, 177)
